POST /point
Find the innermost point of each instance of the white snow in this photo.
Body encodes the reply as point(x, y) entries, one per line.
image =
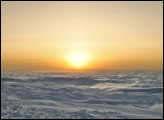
point(84, 95)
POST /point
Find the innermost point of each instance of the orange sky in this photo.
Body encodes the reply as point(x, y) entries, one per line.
point(113, 35)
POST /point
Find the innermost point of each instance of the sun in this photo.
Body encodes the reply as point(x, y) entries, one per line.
point(78, 59)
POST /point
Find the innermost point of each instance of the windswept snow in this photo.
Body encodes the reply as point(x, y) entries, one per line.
point(87, 95)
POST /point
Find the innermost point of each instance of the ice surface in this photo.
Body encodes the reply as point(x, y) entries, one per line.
point(87, 95)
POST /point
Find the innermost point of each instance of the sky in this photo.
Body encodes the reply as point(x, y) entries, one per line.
point(81, 35)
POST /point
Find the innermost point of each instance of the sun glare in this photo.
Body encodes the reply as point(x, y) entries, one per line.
point(78, 59)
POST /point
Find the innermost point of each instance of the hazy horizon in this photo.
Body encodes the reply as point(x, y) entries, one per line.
point(81, 35)
point(82, 60)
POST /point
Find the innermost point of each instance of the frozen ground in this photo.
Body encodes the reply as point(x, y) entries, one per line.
point(105, 94)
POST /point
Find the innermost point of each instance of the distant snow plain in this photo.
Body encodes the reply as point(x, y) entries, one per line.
point(82, 95)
